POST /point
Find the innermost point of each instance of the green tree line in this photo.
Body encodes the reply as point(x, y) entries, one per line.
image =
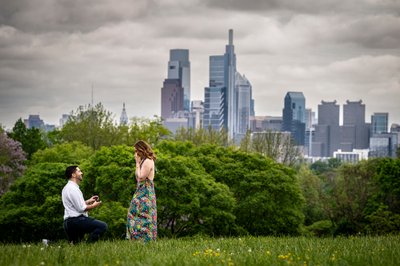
point(204, 184)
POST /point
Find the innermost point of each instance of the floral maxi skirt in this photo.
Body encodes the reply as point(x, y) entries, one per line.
point(142, 213)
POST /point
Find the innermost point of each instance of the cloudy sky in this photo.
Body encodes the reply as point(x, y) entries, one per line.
point(52, 52)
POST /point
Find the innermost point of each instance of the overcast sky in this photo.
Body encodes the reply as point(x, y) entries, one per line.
point(52, 52)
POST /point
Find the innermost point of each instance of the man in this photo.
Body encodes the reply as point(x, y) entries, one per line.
point(76, 220)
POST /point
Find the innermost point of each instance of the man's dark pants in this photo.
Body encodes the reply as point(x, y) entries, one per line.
point(77, 227)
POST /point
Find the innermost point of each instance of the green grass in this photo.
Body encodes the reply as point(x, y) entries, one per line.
point(383, 250)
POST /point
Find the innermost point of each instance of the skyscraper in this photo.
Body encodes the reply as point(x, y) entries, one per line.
point(231, 99)
point(243, 89)
point(179, 68)
point(379, 123)
point(355, 132)
point(327, 131)
point(233, 89)
point(214, 106)
point(34, 121)
point(294, 116)
point(171, 98)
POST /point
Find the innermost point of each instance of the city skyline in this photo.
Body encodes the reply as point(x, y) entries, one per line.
point(51, 55)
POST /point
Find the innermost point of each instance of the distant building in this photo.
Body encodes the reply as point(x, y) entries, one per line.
point(179, 68)
point(395, 128)
point(383, 145)
point(225, 83)
point(171, 98)
point(175, 123)
point(63, 120)
point(351, 156)
point(196, 117)
point(327, 131)
point(265, 123)
point(310, 118)
point(123, 119)
point(214, 107)
point(294, 116)
point(34, 121)
point(355, 132)
point(243, 88)
point(379, 123)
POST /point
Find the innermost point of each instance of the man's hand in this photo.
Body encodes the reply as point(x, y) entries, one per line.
point(92, 200)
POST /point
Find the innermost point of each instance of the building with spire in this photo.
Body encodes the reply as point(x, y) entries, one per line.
point(228, 99)
point(123, 120)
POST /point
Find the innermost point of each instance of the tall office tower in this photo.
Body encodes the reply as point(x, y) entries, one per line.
point(179, 68)
point(223, 85)
point(214, 108)
point(379, 123)
point(214, 95)
point(310, 122)
point(395, 128)
point(310, 119)
point(294, 116)
point(217, 71)
point(231, 99)
point(196, 115)
point(243, 88)
point(252, 105)
point(383, 145)
point(123, 120)
point(34, 121)
point(327, 131)
point(63, 120)
point(355, 132)
point(171, 98)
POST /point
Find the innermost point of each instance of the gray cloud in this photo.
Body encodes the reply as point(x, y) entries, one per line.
point(53, 52)
point(308, 6)
point(71, 16)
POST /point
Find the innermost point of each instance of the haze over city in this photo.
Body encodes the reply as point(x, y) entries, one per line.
point(53, 53)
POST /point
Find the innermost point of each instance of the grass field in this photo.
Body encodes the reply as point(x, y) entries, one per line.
point(211, 251)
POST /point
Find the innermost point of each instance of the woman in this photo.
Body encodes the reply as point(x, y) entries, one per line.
point(142, 213)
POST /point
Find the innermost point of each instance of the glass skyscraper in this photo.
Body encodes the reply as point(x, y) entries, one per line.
point(214, 107)
point(294, 116)
point(231, 96)
point(179, 68)
point(379, 123)
point(243, 88)
point(228, 99)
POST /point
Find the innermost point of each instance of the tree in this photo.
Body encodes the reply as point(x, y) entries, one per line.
point(31, 139)
point(53, 137)
point(12, 162)
point(73, 153)
point(92, 126)
point(203, 136)
point(274, 145)
point(149, 130)
point(268, 195)
point(311, 186)
point(188, 200)
point(349, 194)
point(32, 208)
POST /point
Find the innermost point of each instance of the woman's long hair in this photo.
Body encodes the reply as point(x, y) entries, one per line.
point(144, 150)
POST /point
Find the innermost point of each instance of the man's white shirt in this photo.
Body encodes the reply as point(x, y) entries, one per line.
point(73, 201)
